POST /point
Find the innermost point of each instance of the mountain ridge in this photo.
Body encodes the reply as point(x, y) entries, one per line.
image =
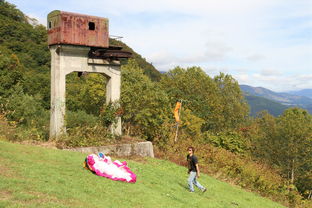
point(275, 102)
point(303, 92)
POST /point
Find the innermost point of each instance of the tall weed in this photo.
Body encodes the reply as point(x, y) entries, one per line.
point(26, 112)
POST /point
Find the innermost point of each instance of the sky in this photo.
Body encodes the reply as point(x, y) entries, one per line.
point(261, 43)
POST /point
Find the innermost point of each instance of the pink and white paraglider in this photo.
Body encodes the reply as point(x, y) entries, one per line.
point(103, 166)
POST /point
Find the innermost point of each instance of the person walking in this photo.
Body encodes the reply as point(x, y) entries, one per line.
point(193, 171)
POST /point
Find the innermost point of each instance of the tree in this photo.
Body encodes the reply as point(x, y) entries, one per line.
point(146, 106)
point(219, 101)
point(10, 11)
point(191, 124)
point(263, 137)
point(235, 109)
point(10, 73)
point(294, 143)
point(198, 92)
point(85, 93)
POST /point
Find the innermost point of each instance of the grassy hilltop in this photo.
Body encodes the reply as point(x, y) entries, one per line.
point(256, 153)
point(32, 176)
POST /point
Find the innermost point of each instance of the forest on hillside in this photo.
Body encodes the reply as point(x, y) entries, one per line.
point(267, 154)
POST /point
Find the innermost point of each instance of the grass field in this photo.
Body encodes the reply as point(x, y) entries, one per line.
point(33, 176)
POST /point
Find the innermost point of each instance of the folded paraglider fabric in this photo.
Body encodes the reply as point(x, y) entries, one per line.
point(103, 166)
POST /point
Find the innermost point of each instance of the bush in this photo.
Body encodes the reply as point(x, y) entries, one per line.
point(27, 113)
point(80, 119)
point(85, 136)
point(109, 113)
point(231, 141)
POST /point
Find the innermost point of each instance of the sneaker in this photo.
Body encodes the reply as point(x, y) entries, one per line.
point(204, 190)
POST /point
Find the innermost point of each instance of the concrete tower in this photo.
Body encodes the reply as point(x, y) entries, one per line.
point(80, 43)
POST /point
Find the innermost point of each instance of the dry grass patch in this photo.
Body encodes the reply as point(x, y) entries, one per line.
point(5, 195)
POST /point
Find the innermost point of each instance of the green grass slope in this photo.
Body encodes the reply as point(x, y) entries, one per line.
point(32, 176)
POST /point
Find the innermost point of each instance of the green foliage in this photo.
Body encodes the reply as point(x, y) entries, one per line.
point(304, 184)
point(231, 141)
point(10, 11)
point(234, 107)
point(27, 112)
point(109, 113)
point(80, 119)
point(85, 136)
point(24, 55)
point(261, 139)
point(38, 84)
point(85, 93)
point(219, 101)
point(191, 123)
point(197, 90)
point(294, 139)
point(146, 107)
point(10, 73)
point(286, 142)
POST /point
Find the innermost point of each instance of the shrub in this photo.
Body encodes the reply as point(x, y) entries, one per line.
point(231, 141)
point(80, 119)
point(85, 136)
point(27, 113)
point(109, 113)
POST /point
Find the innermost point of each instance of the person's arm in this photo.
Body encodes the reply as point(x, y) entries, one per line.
point(198, 172)
point(188, 170)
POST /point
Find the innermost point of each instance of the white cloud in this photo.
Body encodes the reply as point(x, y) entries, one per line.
point(285, 83)
point(40, 20)
point(260, 42)
point(255, 57)
point(201, 7)
point(270, 72)
point(243, 79)
point(216, 51)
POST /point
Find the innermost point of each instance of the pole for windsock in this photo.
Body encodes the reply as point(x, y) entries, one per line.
point(177, 112)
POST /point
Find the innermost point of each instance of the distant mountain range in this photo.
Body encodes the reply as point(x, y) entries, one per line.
point(305, 92)
point(275, 103)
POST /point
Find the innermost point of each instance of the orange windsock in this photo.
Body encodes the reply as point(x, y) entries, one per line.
point(176, 111)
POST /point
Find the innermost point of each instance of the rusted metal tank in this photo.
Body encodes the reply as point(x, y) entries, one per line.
point(77, 29)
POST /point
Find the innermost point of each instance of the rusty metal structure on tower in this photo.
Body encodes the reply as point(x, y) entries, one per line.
point(67, 28)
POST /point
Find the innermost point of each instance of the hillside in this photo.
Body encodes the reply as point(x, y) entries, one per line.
point(258, 104)
point(283, 98)
point(304, 92)
point(34, 176)
point(215, 119)
point(274, 102)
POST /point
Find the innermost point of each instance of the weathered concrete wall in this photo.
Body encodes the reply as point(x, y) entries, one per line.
point(144, 149)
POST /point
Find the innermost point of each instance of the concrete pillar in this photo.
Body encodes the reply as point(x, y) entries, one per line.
point(112, 95)
point(57, 112)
